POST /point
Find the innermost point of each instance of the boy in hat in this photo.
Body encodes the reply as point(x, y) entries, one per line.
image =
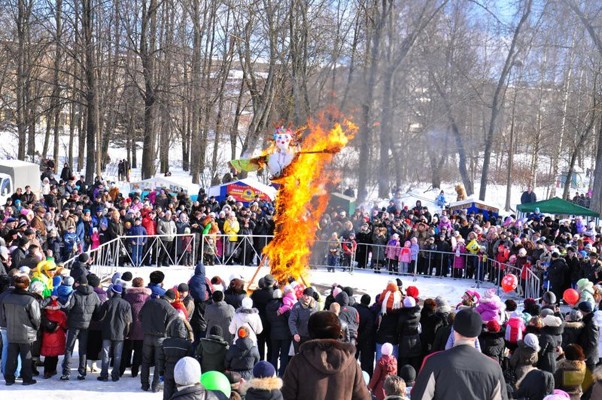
point(264, 384)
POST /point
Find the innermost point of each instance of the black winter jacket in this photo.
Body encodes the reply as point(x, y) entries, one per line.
point(211, 353)
point(430, 321)
point(196, 392)
point(492, 344)
point(348, 314)
point(409, 332)
point(572, 331)
point(550, 338)
point(387, 329)
point(535, 385)
point(156, 315)
point(21, 315)
point(278, 323)
point(174, 348)
point(82, 306)
point(116, 316)
point(241, 357)
point(78, 269)
point(367, 328)
point(589, 339)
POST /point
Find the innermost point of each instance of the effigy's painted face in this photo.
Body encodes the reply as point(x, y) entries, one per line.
point(283, 140)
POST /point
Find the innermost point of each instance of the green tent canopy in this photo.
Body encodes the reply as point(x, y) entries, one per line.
point(557, 206)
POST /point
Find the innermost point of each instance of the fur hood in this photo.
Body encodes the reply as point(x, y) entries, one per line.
point(247, 311)
point(574, 325)
point(139, 290)
point(571, 365)
point(273, 383)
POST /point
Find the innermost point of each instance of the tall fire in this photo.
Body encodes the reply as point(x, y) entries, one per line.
point(302, 198)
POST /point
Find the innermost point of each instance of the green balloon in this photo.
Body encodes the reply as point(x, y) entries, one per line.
point(214, 380)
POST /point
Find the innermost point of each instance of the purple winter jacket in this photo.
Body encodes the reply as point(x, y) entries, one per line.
point(136, 296)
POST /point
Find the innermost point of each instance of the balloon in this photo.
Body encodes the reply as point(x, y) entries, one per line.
point(571, 296)
point(509, 283)
point(214, 380)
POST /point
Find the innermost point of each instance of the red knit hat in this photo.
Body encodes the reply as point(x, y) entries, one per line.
point(412, 291)
point(493, 326)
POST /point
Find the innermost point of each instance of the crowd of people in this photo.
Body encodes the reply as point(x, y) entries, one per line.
point(389, 345)
point(269, 345)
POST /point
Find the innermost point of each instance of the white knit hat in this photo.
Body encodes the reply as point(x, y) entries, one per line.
point(387, 349)
point(531, 341)
point(409, 302)
point(247, 303)
point(187, 372)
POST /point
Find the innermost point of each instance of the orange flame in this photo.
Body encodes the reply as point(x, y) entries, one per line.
point(302, 199)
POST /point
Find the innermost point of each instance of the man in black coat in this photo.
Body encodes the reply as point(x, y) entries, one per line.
point(528, 196)
point(116, 316)
point(260, 299)
point(155, 316)
point(557, 272)
point(588, 339)
point(366, 334)
point(83, 304)
point(175, 347)
point(19, 254)
point(80, 266)
point(22, 317)
point(280, 335)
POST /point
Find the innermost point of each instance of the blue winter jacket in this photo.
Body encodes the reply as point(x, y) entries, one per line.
point(198, 284)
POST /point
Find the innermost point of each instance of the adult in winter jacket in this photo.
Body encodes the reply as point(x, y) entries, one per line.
point(219, 313)
point(525, 356)
point(325, 368)
point(260, 298)
point(430, 321)
point(573, 326)
point(247, 316)
point(557, 275)
point(80, 266)
point(550, 340)
point(175, 347)
point(116, 317)
point(570, 371)
point(366, 334)
point(211, 350)
point(408, 328)
point(83, 304)
point(299, 318)
point(137, 295)
point(22, 317)
point(461, 372)
point(156, 315)
point(535, 385)
point(348, 315)
point(235, 293)
point(242, 355)
point(166, 227)
point(200, 290)
point(280, 335)
point(588, 340)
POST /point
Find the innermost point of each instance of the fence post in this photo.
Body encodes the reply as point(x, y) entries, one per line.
point(478, 280)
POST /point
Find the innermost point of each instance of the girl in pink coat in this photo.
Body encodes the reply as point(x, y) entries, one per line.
point(288, 301)
point(405, 257)
point(392, 253)
point(459, 259)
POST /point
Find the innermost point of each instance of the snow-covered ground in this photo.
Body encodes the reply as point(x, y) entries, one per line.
point(362, 281)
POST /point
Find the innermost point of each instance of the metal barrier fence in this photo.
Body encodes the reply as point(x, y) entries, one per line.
point(247, 250)
point(137, 251)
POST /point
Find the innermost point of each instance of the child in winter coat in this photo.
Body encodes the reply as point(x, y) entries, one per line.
point(415, 249)
point(491, 340)
point(387, 365)
point(515, 329)
point(288, 301)
point(64, 290)
point(54, 336)
point(265, 385)
point(586, 291)
point(242, 355)
point(459, 259)
point(95, 238)
point(490, 307)
point(392, 253)
point(405, 257)
point(71, 243)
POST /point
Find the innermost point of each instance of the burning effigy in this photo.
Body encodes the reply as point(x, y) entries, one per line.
point(297, 162)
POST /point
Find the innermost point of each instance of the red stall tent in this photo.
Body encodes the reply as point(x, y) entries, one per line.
point(243, 190)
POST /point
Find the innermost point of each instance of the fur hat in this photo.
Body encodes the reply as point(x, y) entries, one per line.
point(442, 304)
point(187, 372)
point(263, 369)
point(551, 320)
point(324, 325)
point(531, 341)
point(387, 349)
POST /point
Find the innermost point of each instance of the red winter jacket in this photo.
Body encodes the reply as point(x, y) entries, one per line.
point(150, 225)
point(387, 365)
point(53, 343)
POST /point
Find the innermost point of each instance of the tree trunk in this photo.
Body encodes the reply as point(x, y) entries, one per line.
point(91, 90)
point(148, 37)
point(56, 87)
